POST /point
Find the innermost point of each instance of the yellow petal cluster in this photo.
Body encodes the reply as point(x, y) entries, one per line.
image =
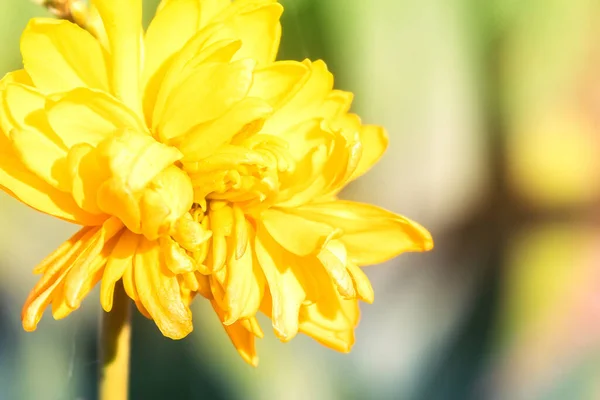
point(196, 164)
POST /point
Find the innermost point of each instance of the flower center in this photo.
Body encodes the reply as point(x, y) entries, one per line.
point(245, 173)
point(135, 178)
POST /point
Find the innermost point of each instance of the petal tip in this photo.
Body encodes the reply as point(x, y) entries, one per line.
point(426, 242)
point(283, 335)
point(251, 359)
point(29, 321)
point(29, 326)
point(178, 333)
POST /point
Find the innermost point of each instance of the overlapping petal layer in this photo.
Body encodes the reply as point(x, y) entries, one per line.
point(197, 164)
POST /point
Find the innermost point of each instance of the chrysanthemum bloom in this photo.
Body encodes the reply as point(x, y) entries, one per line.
point(195, 163)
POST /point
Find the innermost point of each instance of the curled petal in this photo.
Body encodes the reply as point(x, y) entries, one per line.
point(277, 82)
point(123, 23)
point(77, 255)
point(337, 104)
point(37, 193)
point(287, 292)
point(244, 286)
point(362, 285)
point(205, 139)
point(215, 44)
point(307, 101)
point(33, 140)
point(23, 109)
point(88, 116)
point(371, 234)
point(159, 292)
point(41, 156)
point(119, 260)
point(175, 257)
point(216, 86)
point(76, 57)
point(296, 234)
point(130, 287)
point(54, 268)
point(175, 23)
point(242, 338)
point(33, 159)
point(84, 275)
point(374, 140)
point(257, 25)
point(333, 258)
point(252, 326)
point(331, 320)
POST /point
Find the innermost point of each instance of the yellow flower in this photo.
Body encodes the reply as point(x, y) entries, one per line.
point(195, 163)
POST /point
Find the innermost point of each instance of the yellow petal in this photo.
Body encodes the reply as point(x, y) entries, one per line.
point(296, 234)
point(204, 286)
point(341, 341)
point(131, 289)
point(189, 233)
point(331, 320)
point(174, 24)
point(307, 102)
point(176, 258)
point(18, 76)
point(62, 252)
point(60, 56)
point(362, 284)
point(87, 270)
point(252, 326)
point(85, 177)
point(24, 112)
point(242, 339)
point(60, 308)
point(123, 23)
point(287, 293)
point(205, 139)
point(329, 309)
point(277, 82)
point(33, 140)
point(86, 241)
point(374, 140)
point(324, 168)
point(244, 286)
point(257, 24)
point(371, 234)
point(207, 94)
point(221, 224)
point(159, 292)
point(27, 187)
point(88, 116)
point(133, 161)
point(333, 258)
point(216, 287)
point(42, 157)
point(242, 232)
point(168, 197)
point(208, 7)
point(119, 260)
point(337, 103)
point(22, 108)
point(215, 43)
point(136, 159)
point(238, 287)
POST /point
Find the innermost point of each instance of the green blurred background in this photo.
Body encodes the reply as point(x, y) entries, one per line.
point(493, 110)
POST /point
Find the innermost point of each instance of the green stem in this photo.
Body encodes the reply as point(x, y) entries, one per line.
point(115, 346)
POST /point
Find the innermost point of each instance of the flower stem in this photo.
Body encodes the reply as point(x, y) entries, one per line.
point(115, 345)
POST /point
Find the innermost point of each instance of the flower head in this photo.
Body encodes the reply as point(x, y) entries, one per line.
point(196, 164)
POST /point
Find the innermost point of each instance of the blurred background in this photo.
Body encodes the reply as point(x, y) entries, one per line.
point(493, 110)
